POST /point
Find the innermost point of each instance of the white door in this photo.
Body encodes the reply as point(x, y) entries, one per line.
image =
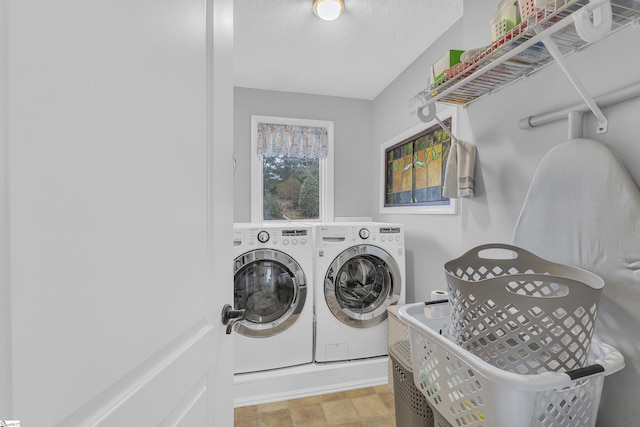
point(115, 212)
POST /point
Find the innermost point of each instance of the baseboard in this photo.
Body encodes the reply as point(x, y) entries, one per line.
point(308, 380)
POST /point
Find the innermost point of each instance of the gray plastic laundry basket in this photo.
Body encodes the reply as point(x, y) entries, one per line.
point(522, 313)
point(412, 409)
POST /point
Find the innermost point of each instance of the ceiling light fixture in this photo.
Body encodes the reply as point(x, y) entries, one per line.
point(328, 9)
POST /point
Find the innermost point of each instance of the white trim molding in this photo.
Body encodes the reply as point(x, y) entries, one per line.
point(6, 401)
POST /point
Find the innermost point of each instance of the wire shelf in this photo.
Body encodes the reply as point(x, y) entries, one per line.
point(518, 53)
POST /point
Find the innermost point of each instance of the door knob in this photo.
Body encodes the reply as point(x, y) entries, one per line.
point(230, 316)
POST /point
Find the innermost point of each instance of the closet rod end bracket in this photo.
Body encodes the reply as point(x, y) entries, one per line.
point(602, 127)
point(525, 123)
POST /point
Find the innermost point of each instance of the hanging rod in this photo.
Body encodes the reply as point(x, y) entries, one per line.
point(611, 98)
point(446, 129)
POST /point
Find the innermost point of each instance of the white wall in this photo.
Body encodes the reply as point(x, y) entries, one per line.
point(353, 158)
point(507, 156)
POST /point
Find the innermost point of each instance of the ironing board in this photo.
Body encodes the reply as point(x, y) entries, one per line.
point(583, 209)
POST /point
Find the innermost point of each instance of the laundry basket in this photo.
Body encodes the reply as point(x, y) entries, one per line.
point(522, 313)
point(467, 391)
point(412, 409)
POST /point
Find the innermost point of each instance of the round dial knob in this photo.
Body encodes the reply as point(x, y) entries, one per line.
point(263, 237)
point(364, 233)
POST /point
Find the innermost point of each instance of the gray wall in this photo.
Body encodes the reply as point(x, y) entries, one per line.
point(431, 239)
point(508, 157)
point(354, 159)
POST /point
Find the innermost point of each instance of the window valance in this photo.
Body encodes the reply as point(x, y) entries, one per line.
point(292, 141)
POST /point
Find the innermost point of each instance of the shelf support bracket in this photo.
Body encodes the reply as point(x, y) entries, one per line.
point(553, 49)
point(431, 115)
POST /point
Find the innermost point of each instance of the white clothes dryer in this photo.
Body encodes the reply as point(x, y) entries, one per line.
point(273, 273)
point(359, 273)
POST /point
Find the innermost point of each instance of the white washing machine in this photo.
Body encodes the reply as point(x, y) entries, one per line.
point(273, 276)
point(359, 273)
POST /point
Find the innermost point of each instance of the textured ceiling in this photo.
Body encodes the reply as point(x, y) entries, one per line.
point(281, 45)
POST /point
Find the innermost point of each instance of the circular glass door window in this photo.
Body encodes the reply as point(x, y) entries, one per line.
point(271, 287)
point(360, 284)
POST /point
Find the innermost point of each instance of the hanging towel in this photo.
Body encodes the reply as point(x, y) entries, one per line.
point(458, 176)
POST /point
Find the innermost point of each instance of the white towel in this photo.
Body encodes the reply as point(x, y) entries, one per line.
point(459, 173)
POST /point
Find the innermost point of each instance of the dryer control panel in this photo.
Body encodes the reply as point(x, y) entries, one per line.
point(375, 234)
point(279, 237)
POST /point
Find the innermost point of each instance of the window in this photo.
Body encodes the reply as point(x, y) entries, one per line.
point(291, 169)
point(413, 170)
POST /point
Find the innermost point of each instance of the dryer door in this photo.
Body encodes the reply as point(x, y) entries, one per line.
point(271, 287)
point(360, 284)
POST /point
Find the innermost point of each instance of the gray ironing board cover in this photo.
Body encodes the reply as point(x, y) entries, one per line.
point(583, 209)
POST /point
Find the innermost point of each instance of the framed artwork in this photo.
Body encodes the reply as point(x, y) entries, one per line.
point(413, 169)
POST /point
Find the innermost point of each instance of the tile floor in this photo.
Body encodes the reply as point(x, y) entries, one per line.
point(366, 407)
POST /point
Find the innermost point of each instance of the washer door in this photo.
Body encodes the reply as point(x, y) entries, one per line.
point(360, 284)
point(271, 287)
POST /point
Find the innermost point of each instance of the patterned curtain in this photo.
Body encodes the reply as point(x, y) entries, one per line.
point(292, 141)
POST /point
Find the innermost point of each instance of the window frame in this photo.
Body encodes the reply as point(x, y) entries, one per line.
point(452, 207)
point(326, 177)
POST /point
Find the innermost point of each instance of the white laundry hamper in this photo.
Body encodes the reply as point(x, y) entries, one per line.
point(467, 391)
